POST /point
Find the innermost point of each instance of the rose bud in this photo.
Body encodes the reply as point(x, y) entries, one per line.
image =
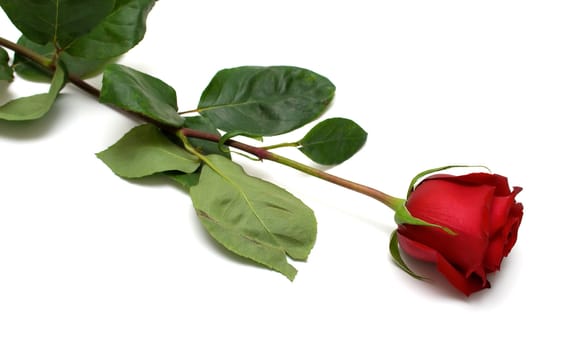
point(467, 225)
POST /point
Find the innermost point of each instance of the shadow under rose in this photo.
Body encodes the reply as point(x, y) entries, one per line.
point(438, 286)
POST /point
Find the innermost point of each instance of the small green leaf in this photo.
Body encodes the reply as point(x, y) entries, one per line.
point(138, 92)
point(144, 151)
point(121, 30)
point(203, 146)
point(36, 106)
point(6, 72)
point(77, 66)
point(397, 258)
point(251, 217)
point(56, 21)
point(333, 141)
point(265, 101)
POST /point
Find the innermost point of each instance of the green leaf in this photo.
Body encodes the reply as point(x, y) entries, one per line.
point(333, 141)
point(204, 146)
point(265, 101)
point(144, 151)
point(138, 92)
point(36, 106)
point(397, 258)
point(87, 56)
point(121, 30)
point(56, 21)
point(251, 217)
point(77, 66)
point(6, 72)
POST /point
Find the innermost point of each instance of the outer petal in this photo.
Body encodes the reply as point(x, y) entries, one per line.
point(494, 254)
point(504, 235)
point(466, 284)
point(499, 182)
point(516, 219)
point(499, 211)
point(466, 252)
point(417, 250)
point(464, 209)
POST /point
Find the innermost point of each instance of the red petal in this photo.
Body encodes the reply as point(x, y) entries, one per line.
point(505, 235)
point(494, 254)
point(464, 209)
point(501, 207)
point(455, 277)
point(469, 285)
point(499, 182)
point(417, 250)
point(499, 212)
point(512, 227)
point(465, 251)
point(461, 208)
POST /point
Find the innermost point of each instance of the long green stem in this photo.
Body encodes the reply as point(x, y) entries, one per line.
point(25, 52)
point(260, 153)
point(47, 64)
point(389, 201)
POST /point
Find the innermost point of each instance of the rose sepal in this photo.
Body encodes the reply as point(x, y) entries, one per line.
point(403, 216)
point(398, 259)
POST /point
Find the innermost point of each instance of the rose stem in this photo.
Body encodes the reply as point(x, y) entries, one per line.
point(261, 153)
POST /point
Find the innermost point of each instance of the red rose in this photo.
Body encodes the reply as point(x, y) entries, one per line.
point(480, 208)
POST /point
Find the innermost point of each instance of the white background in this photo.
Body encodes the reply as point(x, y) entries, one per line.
point(90, 261)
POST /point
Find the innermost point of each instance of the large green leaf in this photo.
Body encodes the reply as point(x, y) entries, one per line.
point(36, 106)
point(77, 66)
point(86, 56)
point(144, 151)
point(56, 21)
point(6, 72)
point(116, 34)
point(138, 92)
point(333, 141)
point(204, 146)
point(251, 217)
point(265, 101)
